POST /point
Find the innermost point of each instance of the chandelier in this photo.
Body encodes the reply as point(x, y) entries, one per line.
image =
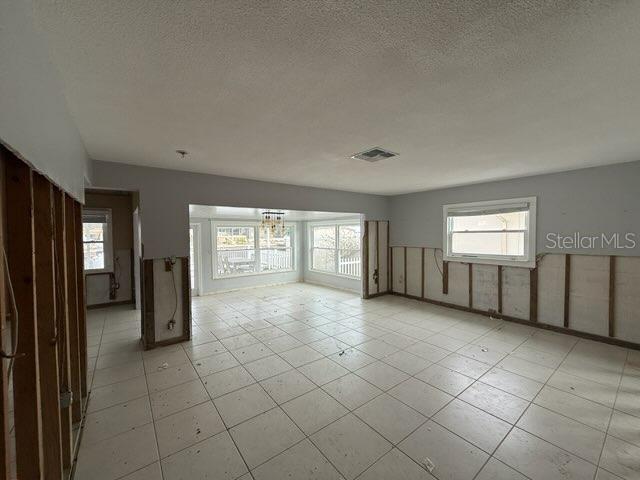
point(273, 222)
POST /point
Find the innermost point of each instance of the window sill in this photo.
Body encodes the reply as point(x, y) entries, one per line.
point(251, 274)
point(492, 261)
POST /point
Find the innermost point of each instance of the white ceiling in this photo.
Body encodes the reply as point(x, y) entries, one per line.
point(465, 91)
point(239, 213)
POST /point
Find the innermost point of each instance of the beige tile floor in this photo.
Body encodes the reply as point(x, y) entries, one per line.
point(304, 382)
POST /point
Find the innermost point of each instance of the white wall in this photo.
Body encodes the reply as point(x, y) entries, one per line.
point(589, 201)
point(211, 285)
point(34, 120)
point(165, 196)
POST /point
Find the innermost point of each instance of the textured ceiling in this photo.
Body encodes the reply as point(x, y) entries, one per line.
point(464, 91)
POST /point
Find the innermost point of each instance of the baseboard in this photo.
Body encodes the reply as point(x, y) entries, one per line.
point(239, 289)
point(326, 285)
point(110, 304)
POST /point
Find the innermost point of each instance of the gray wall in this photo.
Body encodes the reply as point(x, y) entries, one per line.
point(211, 285)
point(589, 201)
point(34, 120)
point(165, 196)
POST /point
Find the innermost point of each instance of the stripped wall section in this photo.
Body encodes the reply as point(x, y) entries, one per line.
point(551, 290)
point(589, 294)
point(599, 299)
point(516, 292)
point(414, 271)
point(626, 313)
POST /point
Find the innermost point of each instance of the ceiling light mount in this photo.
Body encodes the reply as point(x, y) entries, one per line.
point(374, 154)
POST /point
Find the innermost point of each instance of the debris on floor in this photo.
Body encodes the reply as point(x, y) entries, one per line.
point(428, 464)
point(164, 366)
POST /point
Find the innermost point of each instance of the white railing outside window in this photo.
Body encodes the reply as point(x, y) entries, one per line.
point(244, 249)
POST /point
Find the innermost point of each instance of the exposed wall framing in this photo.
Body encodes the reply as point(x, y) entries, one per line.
point(376, 270)
point(44, 255)
point(157, 309)
point(593, 296)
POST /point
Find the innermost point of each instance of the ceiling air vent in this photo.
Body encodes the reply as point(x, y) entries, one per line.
point(374, 155)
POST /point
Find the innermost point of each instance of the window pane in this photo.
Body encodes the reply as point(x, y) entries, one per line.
point(93, 232)
point(324, 236)
point(93, 256)
point(269, 240)
point(324, 259)
point(494, 221)
point(349, 237)
point(235, 238)
point(236, 261)
point(498, 243)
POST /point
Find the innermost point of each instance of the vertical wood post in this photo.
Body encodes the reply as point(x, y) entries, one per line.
point(390, 268)
point(471, 285)
point(378, 256)
point(405, 270)
point(82, 311)
point(567, 288)
point(365, 260)
point(499, 288)
point(533, 294)
point(46, 324)
point(445, 277)
point(72, 302)
point(26, 387)
point(148, 309)
point(423, 274)
point(64, 350)
point(5, 334)
point(612, 295)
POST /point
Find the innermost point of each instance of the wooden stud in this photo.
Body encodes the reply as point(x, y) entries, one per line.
point(5, 334)
point(148, 304)
point(390, 272)
point(423, 274)
point(533, 294)
point(405, 271)
point(63, 325)
point(567, 285)
point(499, 288)
point(72, 303)
point(186, 300)
point(46, 324)
point(445, 277)
point(612, 295)
point(365, 260)
point(470, 285)
point(377, 256)
point(81, 300)
point(26, 386)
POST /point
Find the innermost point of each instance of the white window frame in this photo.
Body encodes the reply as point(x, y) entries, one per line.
point(256, 226)
point(107, 240)
point(528, 260)
point(336, 224)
